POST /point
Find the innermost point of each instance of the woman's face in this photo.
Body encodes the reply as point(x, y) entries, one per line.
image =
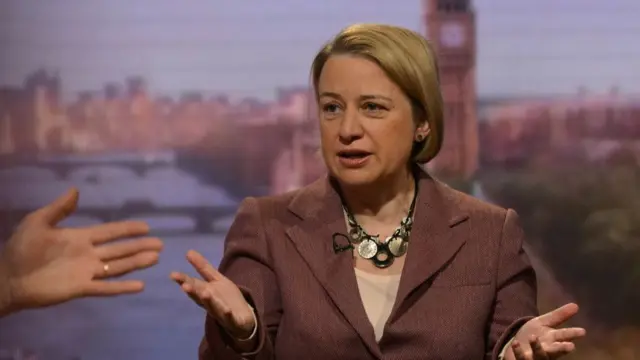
point(366, 123)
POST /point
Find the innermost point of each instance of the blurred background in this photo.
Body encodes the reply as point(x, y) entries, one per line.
point(173, 111)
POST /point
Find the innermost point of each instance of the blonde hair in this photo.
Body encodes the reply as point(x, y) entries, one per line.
point(409, 61)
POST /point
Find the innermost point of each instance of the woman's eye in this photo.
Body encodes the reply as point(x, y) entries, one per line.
point(373, 107)
point(330, 108)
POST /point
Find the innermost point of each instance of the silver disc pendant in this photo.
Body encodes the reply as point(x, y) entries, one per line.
point(368, 249)
point(397, 246)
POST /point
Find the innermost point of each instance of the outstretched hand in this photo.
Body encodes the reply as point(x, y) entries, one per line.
point(539, 339)
point(46, 265)
point(218, 295)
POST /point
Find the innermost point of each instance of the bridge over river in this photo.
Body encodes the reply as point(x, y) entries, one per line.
point(116, 187)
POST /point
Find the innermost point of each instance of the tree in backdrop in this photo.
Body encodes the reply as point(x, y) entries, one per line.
point(584, 219)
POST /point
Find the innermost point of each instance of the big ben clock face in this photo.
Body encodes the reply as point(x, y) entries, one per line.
point(452, 34)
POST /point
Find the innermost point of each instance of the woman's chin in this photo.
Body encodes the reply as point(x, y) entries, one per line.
point(355, 177)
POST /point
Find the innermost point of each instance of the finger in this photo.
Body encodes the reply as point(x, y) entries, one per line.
point(128, 264)
point(199, 291)
point(204, 294)
point(203, 267)
point(196, 289)
point(99, 234)
point(113, 288)
point(57, 210)
point(178, 277)
point(558, 349)
point(536, 347)
point(518, 351)
point(190, 287)
point(567, 334)
point(186, 282)
point(558, 316)
point(128, 248)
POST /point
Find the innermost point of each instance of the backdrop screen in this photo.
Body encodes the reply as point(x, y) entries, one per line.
point(174, 111)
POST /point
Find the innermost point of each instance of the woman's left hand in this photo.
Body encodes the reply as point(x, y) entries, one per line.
point(539, 339)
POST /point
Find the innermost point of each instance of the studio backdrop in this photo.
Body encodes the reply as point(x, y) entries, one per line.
point(174, 111)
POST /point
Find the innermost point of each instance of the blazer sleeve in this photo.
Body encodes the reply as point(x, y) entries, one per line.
point(516, 289)
point(247, 262)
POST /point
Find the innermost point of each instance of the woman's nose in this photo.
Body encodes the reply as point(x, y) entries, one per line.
point(350, 127)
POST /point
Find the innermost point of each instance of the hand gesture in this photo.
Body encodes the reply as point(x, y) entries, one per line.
point(219, 296)
point(46, 265)
point(539, 340)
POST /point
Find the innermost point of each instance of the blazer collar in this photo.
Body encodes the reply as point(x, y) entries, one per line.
point(431, 246)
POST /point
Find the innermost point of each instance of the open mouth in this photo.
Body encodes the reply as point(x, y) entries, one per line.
point(353, 154)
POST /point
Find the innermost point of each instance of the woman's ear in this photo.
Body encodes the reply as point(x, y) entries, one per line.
point(422, 132)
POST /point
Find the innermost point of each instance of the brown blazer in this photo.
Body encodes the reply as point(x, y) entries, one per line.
point(466, 287)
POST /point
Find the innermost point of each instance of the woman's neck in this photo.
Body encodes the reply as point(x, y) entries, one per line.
point(385, 200)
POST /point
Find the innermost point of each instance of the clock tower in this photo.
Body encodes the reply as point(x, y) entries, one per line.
point(450, 27)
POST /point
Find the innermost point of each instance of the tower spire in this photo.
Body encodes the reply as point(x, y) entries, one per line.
point(451, 29)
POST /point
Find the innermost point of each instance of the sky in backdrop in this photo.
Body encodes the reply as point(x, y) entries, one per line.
point(249, 48)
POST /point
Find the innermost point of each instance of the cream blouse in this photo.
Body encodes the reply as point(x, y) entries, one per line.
point(378, 294)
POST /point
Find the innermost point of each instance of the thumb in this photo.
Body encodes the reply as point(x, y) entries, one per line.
point(558, 316)
point(60, 208)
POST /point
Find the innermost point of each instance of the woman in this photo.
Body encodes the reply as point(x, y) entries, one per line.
point(378, 260)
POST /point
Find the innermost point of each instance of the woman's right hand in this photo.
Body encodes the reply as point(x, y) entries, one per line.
point(219, 296)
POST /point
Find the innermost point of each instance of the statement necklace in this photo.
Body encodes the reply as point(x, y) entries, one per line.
point(381, 253)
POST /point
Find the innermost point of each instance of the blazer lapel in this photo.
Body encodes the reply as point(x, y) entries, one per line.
point(320, 209)
point(432, 243)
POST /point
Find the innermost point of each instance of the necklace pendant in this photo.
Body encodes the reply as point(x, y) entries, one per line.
point(383, 258)
point(367, 249)
point(397, 246)
point(355, 234)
